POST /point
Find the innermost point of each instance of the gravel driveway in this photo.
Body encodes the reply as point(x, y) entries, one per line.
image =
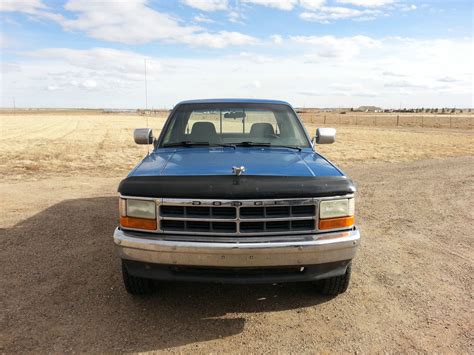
point(412, 287)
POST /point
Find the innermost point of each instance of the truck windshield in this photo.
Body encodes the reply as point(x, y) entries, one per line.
point(234, 124)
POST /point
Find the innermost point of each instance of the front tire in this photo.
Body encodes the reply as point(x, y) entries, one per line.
point(136, 285)
point(334, 286)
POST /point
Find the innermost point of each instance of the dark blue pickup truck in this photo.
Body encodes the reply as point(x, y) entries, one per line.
point(234, 192)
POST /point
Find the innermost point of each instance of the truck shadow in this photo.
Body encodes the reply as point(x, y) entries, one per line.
point(63, 290)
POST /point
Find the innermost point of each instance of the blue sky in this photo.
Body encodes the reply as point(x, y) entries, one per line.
point(314, 53)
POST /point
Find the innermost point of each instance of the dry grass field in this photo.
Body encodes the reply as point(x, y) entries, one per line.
point(412, 289)
point(58, 144)
point(371, 119)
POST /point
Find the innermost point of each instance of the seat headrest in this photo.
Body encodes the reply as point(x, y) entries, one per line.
point(204, 132)
point(262, 130)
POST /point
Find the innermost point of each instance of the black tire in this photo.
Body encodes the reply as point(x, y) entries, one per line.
point(136, 285)
point(336, 285)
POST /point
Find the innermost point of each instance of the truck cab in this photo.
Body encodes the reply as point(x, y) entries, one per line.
point(234, 191)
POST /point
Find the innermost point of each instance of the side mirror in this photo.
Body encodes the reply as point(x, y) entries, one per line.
point(325, 135)
point(143, 135)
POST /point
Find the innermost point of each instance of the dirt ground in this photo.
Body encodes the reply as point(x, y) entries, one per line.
point(61, 289)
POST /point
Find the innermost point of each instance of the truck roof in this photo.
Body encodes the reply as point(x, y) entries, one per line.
point(235, 100)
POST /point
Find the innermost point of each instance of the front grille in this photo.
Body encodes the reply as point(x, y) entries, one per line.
point(198, 212)
point(198, 226)
point(277, 211)
point(242, 217)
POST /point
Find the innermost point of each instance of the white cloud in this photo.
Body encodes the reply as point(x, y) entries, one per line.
point(134, 22)
point(52, 87)
point(276, 39)
point(87, 67)
point(254, 57)
point(207, 5)
point(405, 84)
point(220, 39)
point(312, 4)
point(327, 14)
point(350, 89)
point(256, 84)
point(5, 41)
point(89, 84)
point(202, 19)
point(86, 85)
point(26, 6)
point(235, 17)
point(344, 90)
point(328, 80)
point(447, 79)
point(286, 5)
point(124, 22)
point(100, 59)
point(406, 7)
point(340, 48)
point(389, 73)
point(367, 3)
point(9, 67)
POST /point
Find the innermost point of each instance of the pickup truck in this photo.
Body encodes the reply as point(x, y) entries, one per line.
point(234, 191)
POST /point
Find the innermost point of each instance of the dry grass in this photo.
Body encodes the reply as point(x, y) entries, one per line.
point(423, 120)
point(42, 145)
point(39, 145)
point(375, 144)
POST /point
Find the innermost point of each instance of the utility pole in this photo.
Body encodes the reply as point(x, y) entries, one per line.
point(146, 104)
point(146, 90)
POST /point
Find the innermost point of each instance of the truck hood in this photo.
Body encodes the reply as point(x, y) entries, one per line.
point(265, 161)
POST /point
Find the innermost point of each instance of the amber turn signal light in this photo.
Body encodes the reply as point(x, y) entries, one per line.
point(138, 223)
point(336, 223)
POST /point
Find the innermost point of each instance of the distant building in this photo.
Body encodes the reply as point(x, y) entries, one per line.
point(369, 109)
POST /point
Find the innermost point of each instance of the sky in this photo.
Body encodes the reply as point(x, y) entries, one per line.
point(311, 53)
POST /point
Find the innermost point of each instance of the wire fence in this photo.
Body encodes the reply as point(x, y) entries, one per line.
point(402, 120)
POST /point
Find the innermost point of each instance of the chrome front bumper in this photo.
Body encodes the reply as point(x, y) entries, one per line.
point(314, 249)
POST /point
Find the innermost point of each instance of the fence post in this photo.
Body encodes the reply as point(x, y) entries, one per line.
point(311, 117)
point(324, 119)
point(422, 121)
point(375, 120)
point(450, 122)
point(398, 117)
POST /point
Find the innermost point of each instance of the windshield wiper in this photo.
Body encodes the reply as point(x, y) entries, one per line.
point(252, 144)
point(263, 144)
point(191, 144)
point(288, 146)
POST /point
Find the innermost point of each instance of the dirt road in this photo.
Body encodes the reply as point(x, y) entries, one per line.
point(412, 288)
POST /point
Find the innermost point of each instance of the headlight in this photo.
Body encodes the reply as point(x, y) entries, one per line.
point(336, 214)
point(336, 208)
point(138, 214)
point(141, 209)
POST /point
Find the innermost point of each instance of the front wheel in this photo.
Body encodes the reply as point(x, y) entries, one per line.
point(334, 286)
point(136, 285)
